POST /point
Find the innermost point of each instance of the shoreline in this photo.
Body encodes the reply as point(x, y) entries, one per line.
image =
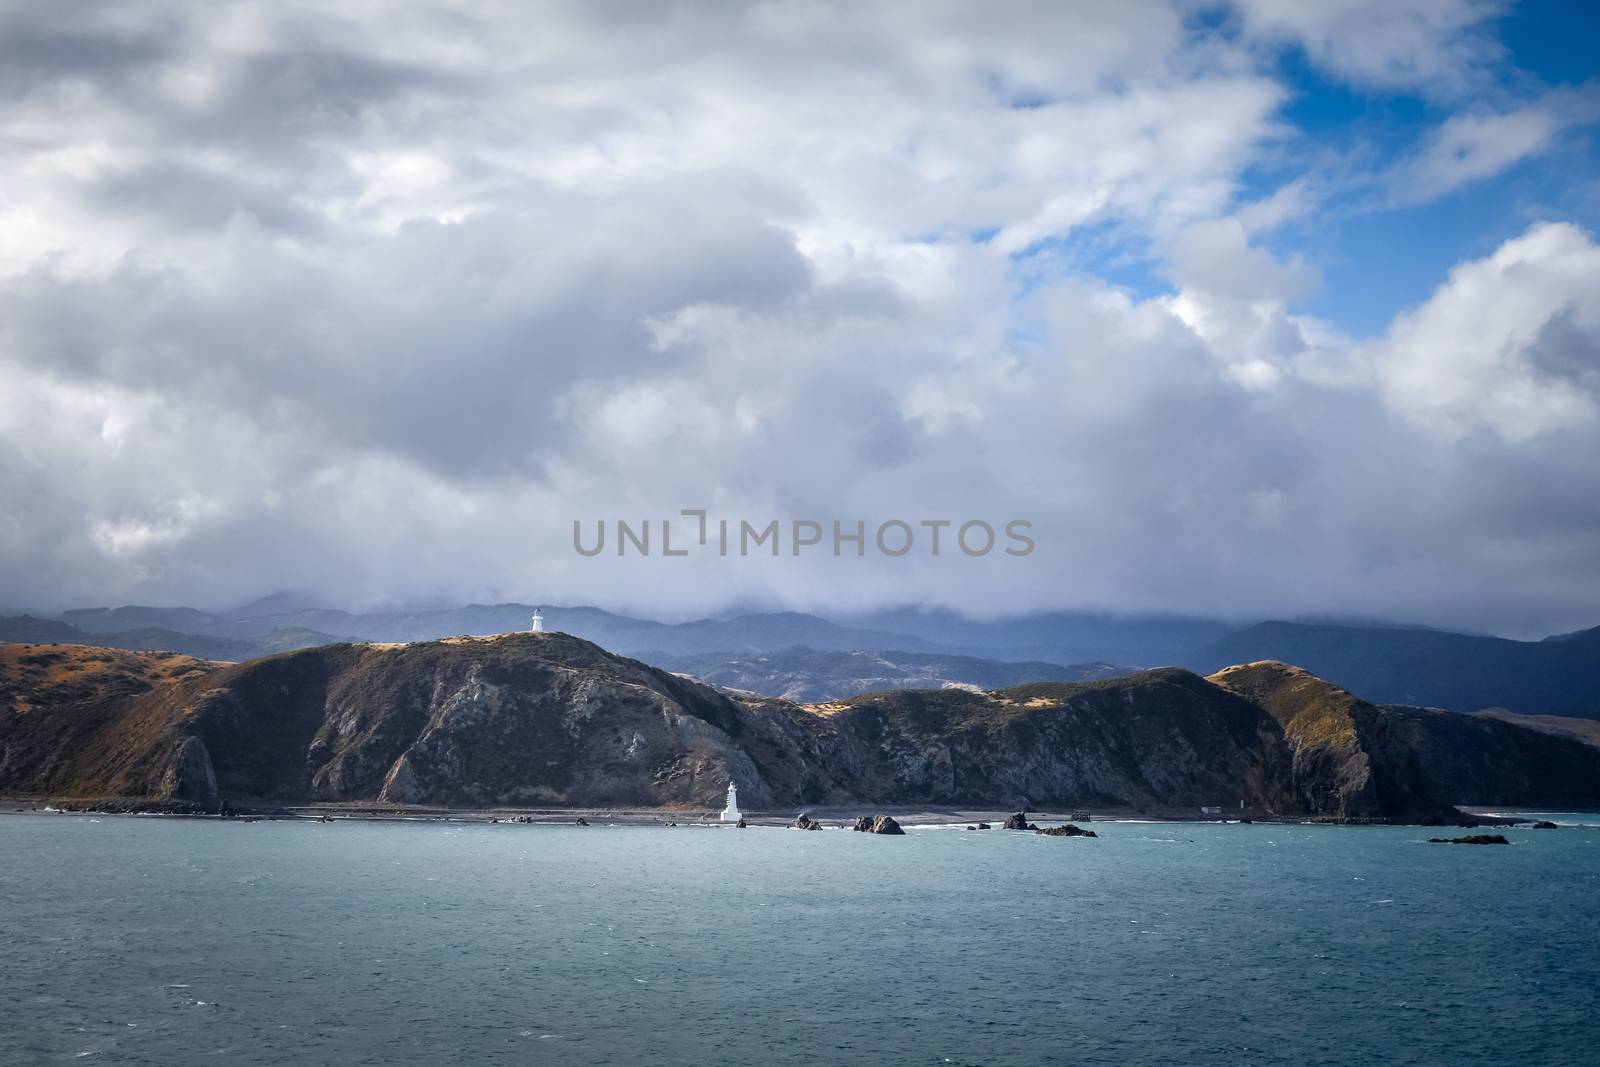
point(829, 817)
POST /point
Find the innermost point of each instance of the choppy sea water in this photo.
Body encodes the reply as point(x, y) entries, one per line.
point(147, 941)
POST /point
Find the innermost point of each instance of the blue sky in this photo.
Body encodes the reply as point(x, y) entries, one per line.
point(1377, 263)
point(1376, 259)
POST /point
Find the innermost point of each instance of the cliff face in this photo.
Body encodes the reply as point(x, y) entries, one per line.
point(1347, 761)
point(1353, 759)
point(1158, 738)
point(1476, 759)
point(548, 719)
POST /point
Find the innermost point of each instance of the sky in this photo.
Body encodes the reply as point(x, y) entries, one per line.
point(1249, 309)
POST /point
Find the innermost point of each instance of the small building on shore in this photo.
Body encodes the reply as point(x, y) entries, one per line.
point(731, 812)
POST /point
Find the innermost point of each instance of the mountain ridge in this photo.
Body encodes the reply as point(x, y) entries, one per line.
point(550, 719)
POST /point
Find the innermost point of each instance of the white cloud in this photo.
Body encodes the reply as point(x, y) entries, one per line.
point(1471, 147)
point(1509, 345)
point(293, 303)
point(1440, 47)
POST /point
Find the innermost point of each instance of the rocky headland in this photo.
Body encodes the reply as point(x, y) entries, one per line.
point(549, 720)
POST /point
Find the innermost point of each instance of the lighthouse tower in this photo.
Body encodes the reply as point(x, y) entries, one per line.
point(731, 812)
point(538, 622)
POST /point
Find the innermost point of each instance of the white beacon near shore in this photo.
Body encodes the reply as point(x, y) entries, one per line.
point(731, 812)
point(538, 622)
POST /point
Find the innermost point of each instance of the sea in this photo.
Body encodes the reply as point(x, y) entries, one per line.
point(142, 940)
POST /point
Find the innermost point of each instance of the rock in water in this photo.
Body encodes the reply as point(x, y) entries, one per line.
point(1068, 830)
point(1471, 839)
point(582, 821)
point(806, 822)
point(1544, 824)
point(1017, 821)
point(984, 826)
point(885, 825)
point(862, 824)
point(740, 824)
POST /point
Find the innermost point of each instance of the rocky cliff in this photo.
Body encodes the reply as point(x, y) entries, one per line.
point(1353, 759)
point(549, 719)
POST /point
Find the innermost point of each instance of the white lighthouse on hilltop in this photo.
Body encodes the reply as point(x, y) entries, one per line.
point(538, 622)
point(731, 812)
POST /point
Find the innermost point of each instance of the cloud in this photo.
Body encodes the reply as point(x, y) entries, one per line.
point(1471, 147)
point(1509, 346)
point(287, 303)
point(1437, 47)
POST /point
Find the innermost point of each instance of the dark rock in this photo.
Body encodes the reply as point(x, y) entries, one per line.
point(883, 824)
point(1471, 839)
point(984, 826)
point(740, 824)
point(582, 821)
point(1068, 830)
point(806, 822)
point(863, 824)
point(1544, 824)
point(1017, 821)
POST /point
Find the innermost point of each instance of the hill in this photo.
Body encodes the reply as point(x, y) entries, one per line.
point(1430, 668)
point(537, 719)
point(550, 719)
point(1357, 759)
point(1585, 730)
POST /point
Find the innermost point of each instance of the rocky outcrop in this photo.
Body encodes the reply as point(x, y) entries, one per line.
point(1471, 839)
point(1016, 821)
point(191, 776)
point(806, 822)
point(1347, 763)
point(877, 824)
point(549, 720)
point(1068, 830)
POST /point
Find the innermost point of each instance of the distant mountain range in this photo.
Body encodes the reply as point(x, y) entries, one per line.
point(807, 676)
point(1382, 664)
point(1430, 668)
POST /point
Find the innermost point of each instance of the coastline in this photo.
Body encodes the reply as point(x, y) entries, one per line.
point(830, 817)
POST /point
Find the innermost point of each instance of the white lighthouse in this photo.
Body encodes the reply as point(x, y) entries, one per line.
point(538, 622)
point(731, 812)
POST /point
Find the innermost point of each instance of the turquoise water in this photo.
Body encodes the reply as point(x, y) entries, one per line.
point(146, 941)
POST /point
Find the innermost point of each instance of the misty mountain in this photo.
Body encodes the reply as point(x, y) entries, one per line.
point(1431, 668)
point(1384, 664)
point(27, 628)
point(810, 676)
point(1064, 637)
point(115, 620)
point(237, 636)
